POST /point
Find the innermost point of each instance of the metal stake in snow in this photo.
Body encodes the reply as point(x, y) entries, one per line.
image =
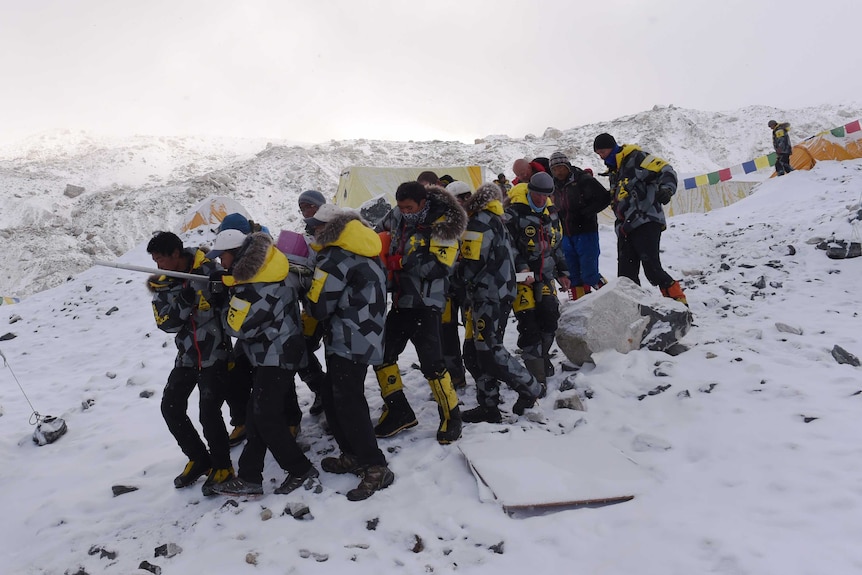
point(48, 428)
point(154, 271)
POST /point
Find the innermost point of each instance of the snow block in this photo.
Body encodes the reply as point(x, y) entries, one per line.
point(622, 316)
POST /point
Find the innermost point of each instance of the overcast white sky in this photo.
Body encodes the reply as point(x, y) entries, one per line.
point(397, 69)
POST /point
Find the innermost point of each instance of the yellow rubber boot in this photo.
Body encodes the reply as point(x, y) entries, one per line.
point(450, 414)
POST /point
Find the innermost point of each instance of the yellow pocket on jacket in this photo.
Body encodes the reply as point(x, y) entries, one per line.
point(237, 313)
point(309, 324)
point(524, 299)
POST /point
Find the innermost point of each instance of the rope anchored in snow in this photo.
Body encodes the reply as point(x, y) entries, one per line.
point(48, 428)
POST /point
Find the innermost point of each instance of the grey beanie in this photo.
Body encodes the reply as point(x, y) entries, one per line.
point(541, 183)
point(311, 197)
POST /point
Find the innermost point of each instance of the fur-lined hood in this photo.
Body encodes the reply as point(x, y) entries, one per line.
point(349, 232)
point(483, 198)
point(447, 218)
point(258, 260)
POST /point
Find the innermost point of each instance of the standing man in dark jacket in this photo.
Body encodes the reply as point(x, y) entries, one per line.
point(348, 297)
point(640, 185)
point(191, 312)
point(783, 147)
point(537, 242)
point(579, 197)
point(425, 228)
point(487, 271)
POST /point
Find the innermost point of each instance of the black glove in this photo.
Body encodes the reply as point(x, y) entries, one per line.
point(663, 195)
point(216, 283)
point(188, 295)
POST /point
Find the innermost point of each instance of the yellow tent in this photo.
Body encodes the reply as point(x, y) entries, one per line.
point(210, 212)
point(358, 184)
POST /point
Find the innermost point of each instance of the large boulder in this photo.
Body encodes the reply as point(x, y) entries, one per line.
point(621, 316)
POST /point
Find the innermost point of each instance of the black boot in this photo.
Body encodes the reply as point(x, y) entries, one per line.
point(397, 416)
point(523, 403)
point(482, 413)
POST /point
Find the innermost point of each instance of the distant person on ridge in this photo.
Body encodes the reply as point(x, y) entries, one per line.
point(579, 197)
point(192, 312)
point(783, 147)
point(640, 184)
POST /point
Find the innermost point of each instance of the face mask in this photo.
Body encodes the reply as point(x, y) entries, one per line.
point(416, 217)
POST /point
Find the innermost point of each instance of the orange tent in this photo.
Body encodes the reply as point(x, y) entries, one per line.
point(826, 146)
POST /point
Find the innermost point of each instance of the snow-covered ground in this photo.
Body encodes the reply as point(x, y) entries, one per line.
point(755, 471)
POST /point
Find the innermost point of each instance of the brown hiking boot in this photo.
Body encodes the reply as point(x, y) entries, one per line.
point(344, 463)
point(374, 478)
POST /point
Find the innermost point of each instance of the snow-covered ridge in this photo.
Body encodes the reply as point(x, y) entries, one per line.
point(139, 184)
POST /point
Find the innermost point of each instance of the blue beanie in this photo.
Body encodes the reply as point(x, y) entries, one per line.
point(235, 221)
point(312, 197)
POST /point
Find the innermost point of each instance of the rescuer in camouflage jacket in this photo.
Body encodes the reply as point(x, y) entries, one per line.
point(191, 312)
point(424, 228)
point(263, 314)
point(348, 297)
point(537, 240)
point(640, 185)
point(487, 270)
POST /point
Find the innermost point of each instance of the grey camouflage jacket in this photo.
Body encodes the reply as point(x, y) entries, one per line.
point(200, 338)
point(536, 237)
point(427, 251)
point(487, 267)
point(263, 310)
point(348, 292)
point(634, 185)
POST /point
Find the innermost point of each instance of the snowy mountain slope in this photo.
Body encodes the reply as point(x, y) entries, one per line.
point(756, 467)
point(138, 185)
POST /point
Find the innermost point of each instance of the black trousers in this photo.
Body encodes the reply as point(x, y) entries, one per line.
point(782, 164)
point(538, 325)
point(640, 247)
point(267, 426)
point(212, 386)
point(450, 340)
point(420, 326)
point(346, 409)
point(242, 374)
point(240, 377)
